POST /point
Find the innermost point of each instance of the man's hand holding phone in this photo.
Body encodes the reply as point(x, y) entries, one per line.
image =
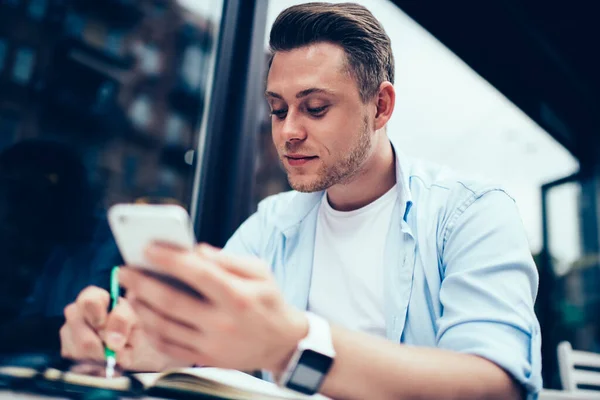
point(239, 321)
point(242, 320)
point(90, 327)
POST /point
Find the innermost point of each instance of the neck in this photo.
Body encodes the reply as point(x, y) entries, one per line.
point(377, 177)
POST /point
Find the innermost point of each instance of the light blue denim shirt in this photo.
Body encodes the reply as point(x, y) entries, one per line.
point(459, 274)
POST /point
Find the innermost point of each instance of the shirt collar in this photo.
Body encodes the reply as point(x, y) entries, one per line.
point(301, 204)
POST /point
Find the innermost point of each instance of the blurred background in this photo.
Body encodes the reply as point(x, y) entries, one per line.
point(106, 101)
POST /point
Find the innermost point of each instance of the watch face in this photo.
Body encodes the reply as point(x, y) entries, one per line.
point(309, 372)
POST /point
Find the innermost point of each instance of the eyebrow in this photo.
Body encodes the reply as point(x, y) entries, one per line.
point(301, 94)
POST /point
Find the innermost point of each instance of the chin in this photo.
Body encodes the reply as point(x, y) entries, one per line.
point(304, 189)
point(306, 185)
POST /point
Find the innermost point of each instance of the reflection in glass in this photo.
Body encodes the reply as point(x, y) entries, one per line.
point(269, 173)
point(100, 102)
point(3, 50)
point(577, 298)
point(23, 66)
point(564, 231)
point(37, 9)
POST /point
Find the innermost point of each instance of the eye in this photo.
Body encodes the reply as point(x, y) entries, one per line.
point(317, 111)
point(280, 113)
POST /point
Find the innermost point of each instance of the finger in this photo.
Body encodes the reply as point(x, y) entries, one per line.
point(133, 355)
point(178, 352)
point(202, 275)
point(246, 267)
point(158, 324)
point(165, 299)
point(125, 358)
point(66, 342)
point(81, 342)
point(93, 303)
point(119, 325)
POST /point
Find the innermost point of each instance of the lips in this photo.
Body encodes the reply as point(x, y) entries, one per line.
point(299, 156)
point(298, 160)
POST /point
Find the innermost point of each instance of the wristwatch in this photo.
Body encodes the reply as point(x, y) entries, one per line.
point(312, 359)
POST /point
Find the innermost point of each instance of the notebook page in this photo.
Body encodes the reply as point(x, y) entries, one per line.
point(234, 379)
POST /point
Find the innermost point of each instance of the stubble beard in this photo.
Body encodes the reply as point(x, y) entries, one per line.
point(344, 170)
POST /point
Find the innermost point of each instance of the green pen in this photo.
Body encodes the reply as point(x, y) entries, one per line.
point(111, 358)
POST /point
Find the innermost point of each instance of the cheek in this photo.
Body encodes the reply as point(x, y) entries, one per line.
point(333, 137)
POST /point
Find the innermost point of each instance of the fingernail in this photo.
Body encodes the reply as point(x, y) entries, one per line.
point(115, 340)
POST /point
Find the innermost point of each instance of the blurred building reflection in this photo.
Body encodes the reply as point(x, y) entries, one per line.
point(123, 81)
point(270, 177)
point(568, 303)
point(100, 102)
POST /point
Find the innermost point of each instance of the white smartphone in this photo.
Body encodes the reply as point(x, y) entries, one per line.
point(136, 226)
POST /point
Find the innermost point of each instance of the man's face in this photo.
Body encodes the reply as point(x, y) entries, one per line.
point(320, 126)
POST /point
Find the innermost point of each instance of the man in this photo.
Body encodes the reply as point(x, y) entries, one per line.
point(410, 282)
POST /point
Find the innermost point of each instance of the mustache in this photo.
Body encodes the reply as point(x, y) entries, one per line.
point(290, 147)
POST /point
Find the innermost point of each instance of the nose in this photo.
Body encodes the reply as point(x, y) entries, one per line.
point(292, 128)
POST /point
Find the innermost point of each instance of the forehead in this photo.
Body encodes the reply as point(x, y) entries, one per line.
point(320, 65)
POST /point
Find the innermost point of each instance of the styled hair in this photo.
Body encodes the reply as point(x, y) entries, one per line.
point(366, 44)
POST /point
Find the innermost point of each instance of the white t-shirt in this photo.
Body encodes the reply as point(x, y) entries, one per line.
point(347, 278)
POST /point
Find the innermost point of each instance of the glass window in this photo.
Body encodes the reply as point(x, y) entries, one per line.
point(105, 95)
point(130, 170)
point(77, 149)
point(167, 178)
point(95, 33)
point(167, 183)
point(24, 64)
point(189, 157)
point(114, 41)
point(3, 53)
point(192, 67)
point(37, 9)
point(149, 58)
point(175, 125)
point(74, 24)
point(141, 111)
point(8, 129)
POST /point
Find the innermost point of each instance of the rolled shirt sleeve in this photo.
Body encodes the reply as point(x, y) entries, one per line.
point(489, 287)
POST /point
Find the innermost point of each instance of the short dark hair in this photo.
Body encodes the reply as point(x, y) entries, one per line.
point(366, 44)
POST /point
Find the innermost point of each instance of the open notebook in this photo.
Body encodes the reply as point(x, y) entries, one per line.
point(213, 383)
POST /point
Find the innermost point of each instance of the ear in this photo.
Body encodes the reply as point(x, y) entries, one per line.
point(385, 102)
